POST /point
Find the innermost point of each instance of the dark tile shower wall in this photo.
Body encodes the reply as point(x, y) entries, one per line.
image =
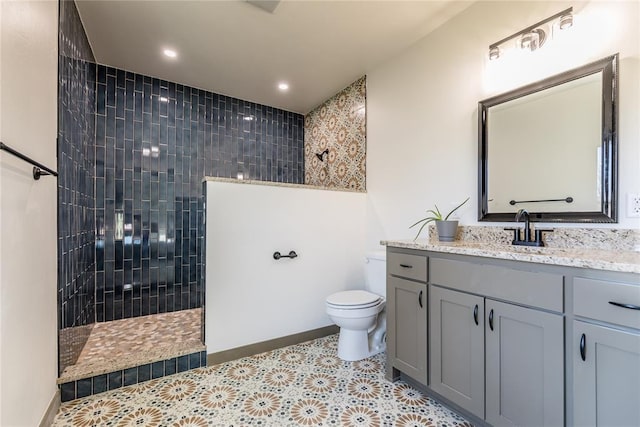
point(76, 222)
point(155, 141)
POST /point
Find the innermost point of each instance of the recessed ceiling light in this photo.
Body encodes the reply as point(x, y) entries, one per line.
point(283, 86)
point(170, 53)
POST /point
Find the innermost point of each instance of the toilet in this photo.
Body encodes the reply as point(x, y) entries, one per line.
point(360, 313)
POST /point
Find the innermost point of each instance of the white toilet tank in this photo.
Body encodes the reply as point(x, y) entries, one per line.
point(376, 273)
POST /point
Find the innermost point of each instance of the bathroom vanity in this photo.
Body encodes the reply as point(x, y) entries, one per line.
point(517, 336)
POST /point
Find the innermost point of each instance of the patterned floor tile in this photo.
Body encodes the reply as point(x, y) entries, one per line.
point(300, 385)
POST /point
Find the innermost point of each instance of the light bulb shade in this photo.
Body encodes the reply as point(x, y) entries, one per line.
point(566, 21)
point(528, 41)
point(532, 40)
point(494, 53)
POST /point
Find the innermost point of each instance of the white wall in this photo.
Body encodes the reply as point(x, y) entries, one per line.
point(422, 106)
point(250, 297)
point(28, 272)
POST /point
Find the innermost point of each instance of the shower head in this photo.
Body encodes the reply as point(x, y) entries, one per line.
point(321, 155)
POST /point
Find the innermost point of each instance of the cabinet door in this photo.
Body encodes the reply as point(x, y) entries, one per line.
point(407, 327)
point(456, 326)
point(606, 383)
point(525, 366)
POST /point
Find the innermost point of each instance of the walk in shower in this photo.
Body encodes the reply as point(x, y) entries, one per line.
point(132, 155)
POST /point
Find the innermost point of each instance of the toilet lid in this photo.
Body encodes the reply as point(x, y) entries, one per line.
point(353, 298)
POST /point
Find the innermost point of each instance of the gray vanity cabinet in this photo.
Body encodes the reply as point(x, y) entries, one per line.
point(407, 328)
point(524, 366)
point(606, 383)
point(457, 347)
point(606, 352)
point(496, 345)
point(499, 361)
point(407, 315)
point(514, 342)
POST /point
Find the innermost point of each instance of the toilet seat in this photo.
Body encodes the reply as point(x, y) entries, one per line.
point(353, 300)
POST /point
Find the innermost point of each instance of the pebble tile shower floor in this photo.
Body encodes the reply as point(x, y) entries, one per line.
point(300, 385)
point(125, 343)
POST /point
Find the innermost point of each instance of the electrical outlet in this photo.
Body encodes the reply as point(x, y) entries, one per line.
point(633, 205)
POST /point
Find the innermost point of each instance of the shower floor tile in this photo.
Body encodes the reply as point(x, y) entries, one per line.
point(122, 344)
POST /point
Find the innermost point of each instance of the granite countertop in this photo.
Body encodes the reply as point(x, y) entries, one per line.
point(599, 259)
point(277, 184)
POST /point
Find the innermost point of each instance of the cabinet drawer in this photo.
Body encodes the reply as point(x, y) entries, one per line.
point(406, 265)
point(591, 299)
point(535, 289)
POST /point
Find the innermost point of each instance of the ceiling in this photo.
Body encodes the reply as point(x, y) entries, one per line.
point(240, 50)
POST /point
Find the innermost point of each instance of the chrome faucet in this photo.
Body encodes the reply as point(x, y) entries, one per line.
point(518, 239)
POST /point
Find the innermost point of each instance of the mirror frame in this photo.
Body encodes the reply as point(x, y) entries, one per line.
point(609, 210)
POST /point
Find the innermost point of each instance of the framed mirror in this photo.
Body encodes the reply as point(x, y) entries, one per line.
point(551, 148)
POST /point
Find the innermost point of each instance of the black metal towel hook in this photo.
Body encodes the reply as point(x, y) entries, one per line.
point(278, 255)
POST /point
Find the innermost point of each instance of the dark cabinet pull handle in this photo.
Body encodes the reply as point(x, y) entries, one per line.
point(491, 319)
point(278, 255)
point(583, 347)
point(623, 305)
point(406, 266)
point(475, 314)
point(420, 299)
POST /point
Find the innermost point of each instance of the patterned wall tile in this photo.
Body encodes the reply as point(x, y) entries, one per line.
point(339, 125)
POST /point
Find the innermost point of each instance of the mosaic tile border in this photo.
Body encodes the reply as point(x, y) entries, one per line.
point(113, 380)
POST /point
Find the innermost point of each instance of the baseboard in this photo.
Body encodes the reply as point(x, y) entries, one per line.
point(261, 347)
point(52, 410)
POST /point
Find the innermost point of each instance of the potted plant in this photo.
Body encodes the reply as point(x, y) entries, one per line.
point(447, 229)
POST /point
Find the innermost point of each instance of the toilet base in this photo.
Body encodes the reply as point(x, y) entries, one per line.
point(357, 345)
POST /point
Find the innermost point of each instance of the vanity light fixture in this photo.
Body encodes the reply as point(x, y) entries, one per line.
point(494, 53)
point(566, 21)
point(532, 40)
point(534, 36)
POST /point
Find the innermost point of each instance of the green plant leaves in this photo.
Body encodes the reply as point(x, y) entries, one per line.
point(456, 208)
point(425, 221)
point(435, 215)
